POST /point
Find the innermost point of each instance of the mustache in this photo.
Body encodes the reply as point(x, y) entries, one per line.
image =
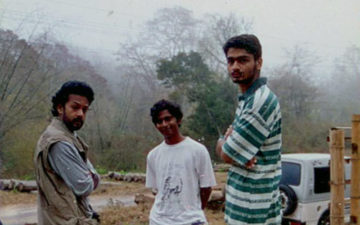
point(236, 73)
point(78, 120)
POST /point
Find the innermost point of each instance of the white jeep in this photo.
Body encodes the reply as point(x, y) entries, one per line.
point(305, 189)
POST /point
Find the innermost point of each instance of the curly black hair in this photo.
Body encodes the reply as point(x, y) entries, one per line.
point(68, 88)
point(173, 108)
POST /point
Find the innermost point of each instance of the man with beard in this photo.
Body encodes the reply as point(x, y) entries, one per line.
point(64, 175)
point(252, 144)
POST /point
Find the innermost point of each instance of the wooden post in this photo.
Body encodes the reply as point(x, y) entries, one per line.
point(337, 146)
point(355, 172)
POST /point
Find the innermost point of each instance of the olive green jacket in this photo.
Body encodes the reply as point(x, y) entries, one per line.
point(57, 204)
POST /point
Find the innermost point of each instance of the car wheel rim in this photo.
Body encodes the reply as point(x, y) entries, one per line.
point(284, 201)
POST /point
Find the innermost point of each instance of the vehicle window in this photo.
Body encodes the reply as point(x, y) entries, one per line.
point(322, 178)
point(291, 173)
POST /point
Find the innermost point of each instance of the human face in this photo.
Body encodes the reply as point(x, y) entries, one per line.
point(242, 67)
point(74, 112)
point(167, 124)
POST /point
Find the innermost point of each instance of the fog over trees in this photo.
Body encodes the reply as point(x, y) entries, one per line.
point(175, 56)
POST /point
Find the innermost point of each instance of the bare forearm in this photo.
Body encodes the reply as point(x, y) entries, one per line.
point(220, 152)
point(219, 145)
point(204, 196)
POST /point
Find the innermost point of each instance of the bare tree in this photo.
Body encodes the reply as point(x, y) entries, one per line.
point(170, 31)
point(173, 30)
point(31, 71)
point(341, 91)
point(22, 81)
point(303, 127)
point(217, 29)
point(293, 82)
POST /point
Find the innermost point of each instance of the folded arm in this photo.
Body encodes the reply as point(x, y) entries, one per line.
point(79, 175)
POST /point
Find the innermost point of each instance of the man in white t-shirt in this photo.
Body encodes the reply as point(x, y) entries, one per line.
point(179, 169)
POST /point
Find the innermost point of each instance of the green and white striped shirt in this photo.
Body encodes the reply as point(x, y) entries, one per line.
point(252, 195)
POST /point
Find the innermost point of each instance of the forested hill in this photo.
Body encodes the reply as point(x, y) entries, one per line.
point(176, 56)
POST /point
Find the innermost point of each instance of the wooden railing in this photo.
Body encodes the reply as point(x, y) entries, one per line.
point(337, 173)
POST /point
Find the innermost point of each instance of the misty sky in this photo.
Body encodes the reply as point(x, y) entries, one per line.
point(324, 27)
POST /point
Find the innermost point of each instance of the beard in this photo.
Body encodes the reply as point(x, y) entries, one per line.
point(240, 79)
point(74, 124)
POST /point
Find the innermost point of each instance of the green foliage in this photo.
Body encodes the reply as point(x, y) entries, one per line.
point(304, 135)
point(127, 152)
point(214, 112)
point(30, 176)
point(123, 172)
point(183, 71)
point(211, 96)
point(101, 170)
point(19, 149)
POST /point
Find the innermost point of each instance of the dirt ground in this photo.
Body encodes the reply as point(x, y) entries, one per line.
point(138, 215)
point(117, 214)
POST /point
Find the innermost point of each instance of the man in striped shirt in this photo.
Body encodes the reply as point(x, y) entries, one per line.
point(252, 144)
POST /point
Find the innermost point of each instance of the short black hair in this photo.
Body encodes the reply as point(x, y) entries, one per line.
point(71, 87)
point(249, 42)
point(173, 108)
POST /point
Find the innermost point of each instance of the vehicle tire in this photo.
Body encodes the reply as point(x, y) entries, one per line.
point(325, 218)
point(288, 199)
point(284, 222)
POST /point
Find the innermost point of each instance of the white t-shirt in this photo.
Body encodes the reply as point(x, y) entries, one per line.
point(178, 172)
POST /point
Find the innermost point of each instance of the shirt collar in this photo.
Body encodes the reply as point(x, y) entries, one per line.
point(256, 85)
